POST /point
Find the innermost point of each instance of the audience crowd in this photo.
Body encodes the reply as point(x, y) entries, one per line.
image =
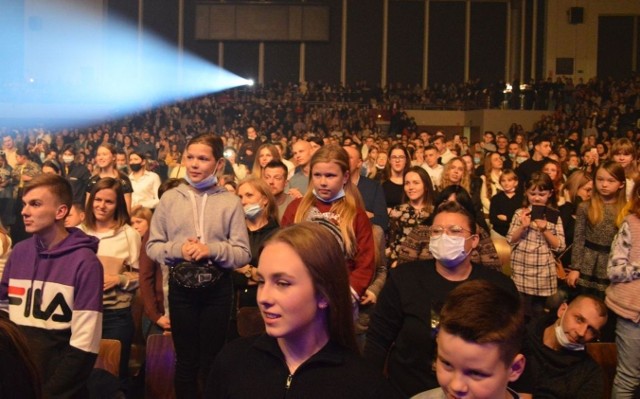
point(177, 202)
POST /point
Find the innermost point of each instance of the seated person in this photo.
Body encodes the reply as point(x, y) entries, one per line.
point(557, 364)
point(479, 341)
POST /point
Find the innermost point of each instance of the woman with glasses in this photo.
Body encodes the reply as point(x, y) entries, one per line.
point(400, 335)
point(398, 166)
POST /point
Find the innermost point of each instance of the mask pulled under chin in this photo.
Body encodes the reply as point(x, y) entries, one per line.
point(562, 338)
point(205, 183)
point(448, 250)
point(328, 201)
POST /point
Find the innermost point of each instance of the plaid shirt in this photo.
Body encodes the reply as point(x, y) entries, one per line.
point(533, 268)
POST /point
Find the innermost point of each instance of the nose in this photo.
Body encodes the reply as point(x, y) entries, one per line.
point(263, 296)
point(458, 384)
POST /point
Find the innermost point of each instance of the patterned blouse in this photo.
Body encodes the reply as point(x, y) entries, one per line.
point(402, 219)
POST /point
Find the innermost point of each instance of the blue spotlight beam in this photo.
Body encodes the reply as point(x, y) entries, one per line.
point(78, 68)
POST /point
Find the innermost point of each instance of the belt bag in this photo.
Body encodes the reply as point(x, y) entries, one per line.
point(195, 274)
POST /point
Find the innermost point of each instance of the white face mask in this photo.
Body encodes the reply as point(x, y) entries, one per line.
point(448, 250)
point(562, 338)
point(67, 158)
point(521, 159)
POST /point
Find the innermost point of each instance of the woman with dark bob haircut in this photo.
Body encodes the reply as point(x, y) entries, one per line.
point(309, 349)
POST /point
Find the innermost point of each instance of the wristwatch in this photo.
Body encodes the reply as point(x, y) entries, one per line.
point(248, 273)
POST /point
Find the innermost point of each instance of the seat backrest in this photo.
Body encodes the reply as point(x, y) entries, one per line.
point(160, 367)
point(504, 253)
point(606, 355)
point(109, 356)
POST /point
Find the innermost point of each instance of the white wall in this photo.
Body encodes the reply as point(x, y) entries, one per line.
point(579, 41)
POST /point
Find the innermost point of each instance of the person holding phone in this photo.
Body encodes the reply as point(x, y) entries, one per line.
point(535, 232)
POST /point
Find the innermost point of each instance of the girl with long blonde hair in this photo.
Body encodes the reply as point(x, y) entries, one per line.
point(335, 201)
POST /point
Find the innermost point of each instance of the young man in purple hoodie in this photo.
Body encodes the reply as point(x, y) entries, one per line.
point(52, 289)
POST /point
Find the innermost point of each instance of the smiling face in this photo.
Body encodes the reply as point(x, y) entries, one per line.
point(104, 205)
point(289, 305)
point(328, 179)
point(473, 371)
point(414, 187)
point(104, 157)
point(200, 162)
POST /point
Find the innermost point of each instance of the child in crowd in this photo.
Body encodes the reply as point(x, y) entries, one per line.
point(505, 203)
point(533, 237)
point(594, 230)
point(479, 342)
point(622, 298)
point(333, 197)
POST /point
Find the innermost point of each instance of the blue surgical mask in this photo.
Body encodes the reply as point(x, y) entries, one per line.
point(205, 183)
point(328, 201)
point(251, 211)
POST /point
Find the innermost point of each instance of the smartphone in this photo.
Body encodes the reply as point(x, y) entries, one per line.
point(537, 212)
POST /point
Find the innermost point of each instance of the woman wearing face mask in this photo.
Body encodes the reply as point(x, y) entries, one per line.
point(145, 183)
point(402, 327)
point(76, 174)
point(261, 216)
point(199, 230)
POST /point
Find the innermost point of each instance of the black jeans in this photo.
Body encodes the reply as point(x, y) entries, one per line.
point(199, 319)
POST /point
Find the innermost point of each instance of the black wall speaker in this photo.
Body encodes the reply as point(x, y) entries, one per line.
point(576, 15)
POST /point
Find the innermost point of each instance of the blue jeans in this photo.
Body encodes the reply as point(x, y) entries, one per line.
point(627, 377)
point(118, 324)
point(199, 321)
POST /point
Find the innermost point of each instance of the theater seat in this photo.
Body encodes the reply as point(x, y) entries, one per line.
point(160, 367)
point(109, 356)
point(604, 353)
point(504, 253)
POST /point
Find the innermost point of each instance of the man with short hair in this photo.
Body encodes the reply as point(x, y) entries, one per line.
point(541, 151)
point(443, 152)
point(145, 146)
point(488, 144)
point(431, 165)
point(9, 148)
point(302, 156)
point(52, 289)
point(275, 175)
point(247, 153)
point(371, 191)
point(557, 364)
point(502, 148)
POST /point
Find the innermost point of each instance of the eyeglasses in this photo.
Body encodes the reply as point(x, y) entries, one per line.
point(398, 157)
point(453, 230)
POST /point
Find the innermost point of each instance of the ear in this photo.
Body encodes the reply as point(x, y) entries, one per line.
point(475, 240)
point(517, 367)
point(561, 309)
point(346, 178)
point(322, 303)
point(62, 212)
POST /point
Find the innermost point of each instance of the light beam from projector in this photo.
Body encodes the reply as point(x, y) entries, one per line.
point(91, 67)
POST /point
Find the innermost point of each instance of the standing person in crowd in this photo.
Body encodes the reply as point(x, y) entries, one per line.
point(577, 189)
point(398, 166)
point(334, 199)
point(199, 230)
point(622, 298)
point(275, 175)
point(249, 150)
point(10, 150)
point(7, 203)
point(557, 364)
point(106, 167)
point(24, 171)
point(479, 341)
point(145, 183)
point(505, 203)
point(431, 165)
point(76, 174)
point(553, 169)
point(369, 166)
point(61, 265)
point(400, 335)
point(309, 349)
point(414, 211)
point(490, 181)
point(623, 152)
point(107, 219)
point(266, 153)
point(533, 238)
point(371, 191)
point(261, 216)
point(302, 156)
point(541, 151)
